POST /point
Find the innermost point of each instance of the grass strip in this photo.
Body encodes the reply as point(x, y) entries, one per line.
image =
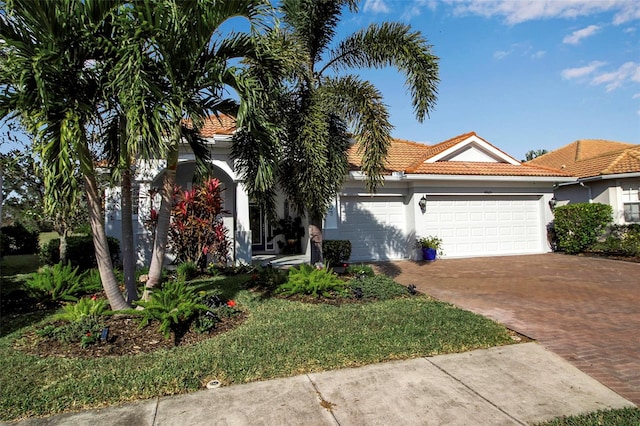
point(619, 417)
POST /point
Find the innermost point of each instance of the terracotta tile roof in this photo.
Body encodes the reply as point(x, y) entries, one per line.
point(402, 155)
point(484, 169)
point(410, 157)
point(221, 125)
point(592, 157)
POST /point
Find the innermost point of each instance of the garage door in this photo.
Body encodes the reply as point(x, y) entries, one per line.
point(375, 227)
point(483, 226)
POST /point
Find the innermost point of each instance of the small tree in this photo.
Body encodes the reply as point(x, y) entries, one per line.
point(530, 155)
point(196, 229)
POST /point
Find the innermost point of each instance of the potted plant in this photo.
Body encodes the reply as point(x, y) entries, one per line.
point(293, 231)
point(431, 247)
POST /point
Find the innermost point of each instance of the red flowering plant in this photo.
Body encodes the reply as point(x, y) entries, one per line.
point(197, 230)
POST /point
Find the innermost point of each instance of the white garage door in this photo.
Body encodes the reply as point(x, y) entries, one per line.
point(485, 225)
point(375, 226)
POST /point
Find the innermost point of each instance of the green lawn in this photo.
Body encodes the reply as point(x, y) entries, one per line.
point(620, 417)
point(279, 338)
point(19, 264)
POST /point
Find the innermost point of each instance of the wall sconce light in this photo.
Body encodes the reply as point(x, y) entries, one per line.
point(552, 203)
point(423, 203)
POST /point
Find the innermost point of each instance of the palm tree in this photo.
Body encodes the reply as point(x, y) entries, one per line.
point(51, 81)
point(191, 64)
point(318, 107)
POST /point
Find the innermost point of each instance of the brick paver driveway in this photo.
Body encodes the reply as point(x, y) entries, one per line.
point(584, 309)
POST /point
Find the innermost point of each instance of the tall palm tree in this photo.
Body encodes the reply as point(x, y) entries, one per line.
point(192, 65)
point(318, 106)
point(50, 79)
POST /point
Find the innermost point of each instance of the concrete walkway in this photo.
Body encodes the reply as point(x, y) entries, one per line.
point(586, 310)
point(509, 385)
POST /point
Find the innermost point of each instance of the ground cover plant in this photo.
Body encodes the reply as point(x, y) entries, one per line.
point(619, 417)
point(276, 337)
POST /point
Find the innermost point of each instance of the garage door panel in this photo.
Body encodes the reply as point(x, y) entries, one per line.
point(484, 225)
point(375, 227)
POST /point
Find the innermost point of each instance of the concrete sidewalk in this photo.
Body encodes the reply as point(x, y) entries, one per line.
point(508, 385)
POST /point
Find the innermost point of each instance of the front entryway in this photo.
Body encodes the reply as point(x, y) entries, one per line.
point(261, 230)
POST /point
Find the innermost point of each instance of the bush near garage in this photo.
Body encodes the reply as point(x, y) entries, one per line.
point(623, 240)
point(336, 252)
point(578, 226)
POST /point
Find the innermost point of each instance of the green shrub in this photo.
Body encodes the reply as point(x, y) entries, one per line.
point(268, 277)
point(16, 239)
point(173, 306)
point(624, 240)
point(379, 287)
point(80, 251)
point(217, 309)
point(187, 271)
point(85, 307)
point(85, 331)
point(578, 226)
point(91, 281)
point(360, 270)
point(336, 252)
point(314, 281)
point(56, 283)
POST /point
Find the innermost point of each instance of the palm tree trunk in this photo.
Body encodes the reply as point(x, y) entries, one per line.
point(128, 253)
point(315, 237)
point(164, 221)
point(63, 246)
point(103, 257)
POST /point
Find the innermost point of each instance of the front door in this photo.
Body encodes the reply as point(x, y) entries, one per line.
point(260, 230)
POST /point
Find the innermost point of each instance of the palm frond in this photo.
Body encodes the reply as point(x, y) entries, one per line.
point(393, 44)
point(362, 106)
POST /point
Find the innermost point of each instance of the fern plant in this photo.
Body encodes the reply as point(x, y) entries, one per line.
point(85, 307)
point(172, 305)
point(57, 283)
point(310, 280)
point(187, 270)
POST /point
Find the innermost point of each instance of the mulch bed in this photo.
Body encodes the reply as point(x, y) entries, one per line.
point(125, 338)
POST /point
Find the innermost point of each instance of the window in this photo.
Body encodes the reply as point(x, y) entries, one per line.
point(632, 212)
point(631, 202)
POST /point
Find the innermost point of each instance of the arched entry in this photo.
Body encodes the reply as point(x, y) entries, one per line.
point(186, 178)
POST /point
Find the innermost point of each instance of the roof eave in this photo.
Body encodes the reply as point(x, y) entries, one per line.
point(355, 175)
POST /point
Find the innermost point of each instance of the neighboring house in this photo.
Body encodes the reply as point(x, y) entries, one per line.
point(608, 172)
point(478, 199)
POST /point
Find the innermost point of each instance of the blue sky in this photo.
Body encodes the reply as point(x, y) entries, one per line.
point(523, 74)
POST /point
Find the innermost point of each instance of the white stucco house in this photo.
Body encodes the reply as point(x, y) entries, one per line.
point(478, 199)
point(607, 172)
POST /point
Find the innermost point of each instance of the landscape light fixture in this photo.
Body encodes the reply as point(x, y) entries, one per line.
point(423, 203)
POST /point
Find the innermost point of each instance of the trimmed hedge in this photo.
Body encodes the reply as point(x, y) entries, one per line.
point(16, 239)
point(578, 226)
point(80, 251)
point(336, 251)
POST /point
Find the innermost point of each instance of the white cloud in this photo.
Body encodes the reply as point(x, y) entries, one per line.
point(515, 12)
point(571, 73)
point(629, 30)
point(539, 54)
point(501, 54)
point(415, 8)
point(636, 96)
point(376, 6)
point(578, 35)
point(629, 71)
